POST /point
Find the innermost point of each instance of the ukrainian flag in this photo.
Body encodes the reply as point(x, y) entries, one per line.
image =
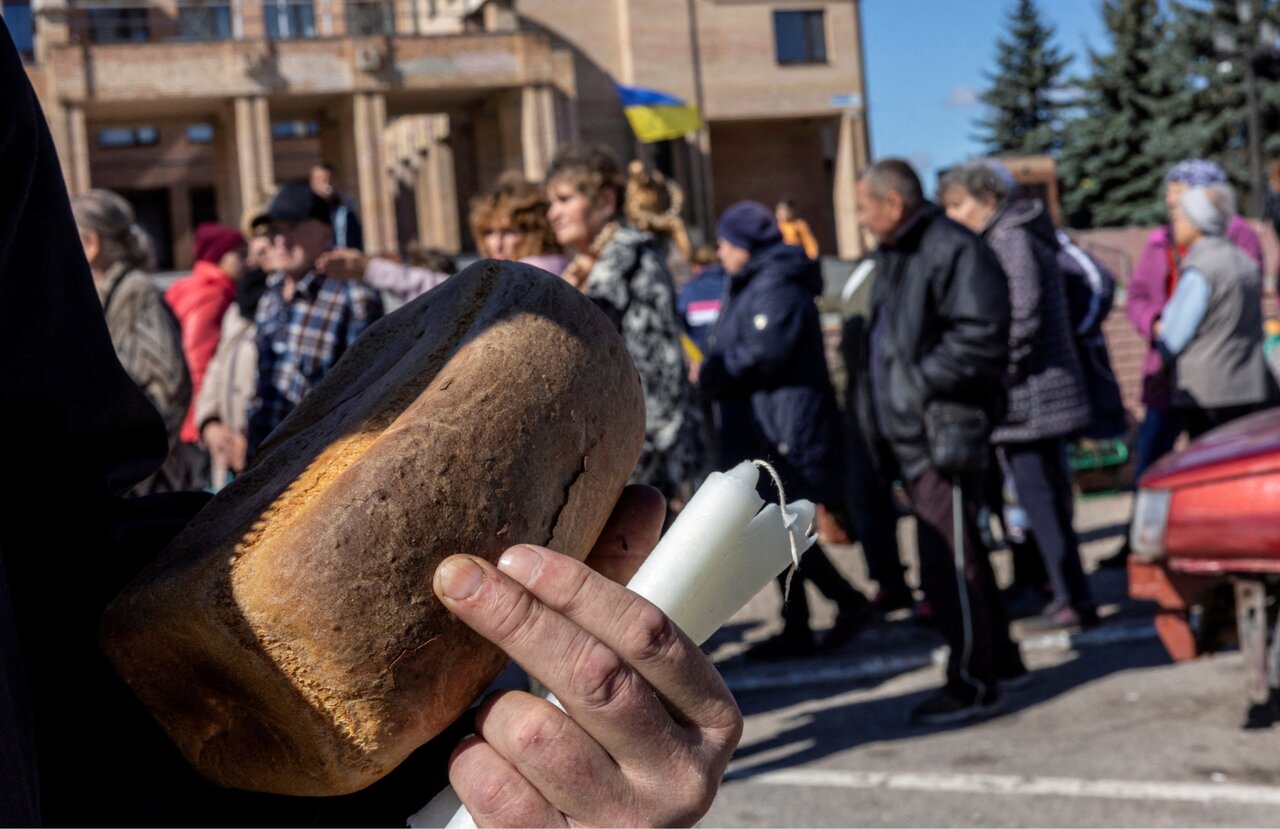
point(657, 116)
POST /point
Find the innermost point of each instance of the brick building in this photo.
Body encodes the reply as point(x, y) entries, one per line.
point(194, 109)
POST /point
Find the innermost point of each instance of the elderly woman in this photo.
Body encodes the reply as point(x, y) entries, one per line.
point(143, 330)
point(621, 270)
point(1047, 397)
point(1211, 329)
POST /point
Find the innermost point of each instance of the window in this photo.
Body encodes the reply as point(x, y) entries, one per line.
point(285, 130)
point(370, 17)
point(211, 21)
point(114, 138)
point(286, 19)
point(800, 37)
point(17, 16)
point(200, 133)
point(118, 25)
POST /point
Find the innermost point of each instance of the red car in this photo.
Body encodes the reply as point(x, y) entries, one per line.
point(1208, 514)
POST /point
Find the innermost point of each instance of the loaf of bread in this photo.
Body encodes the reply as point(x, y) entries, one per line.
point(288, 640)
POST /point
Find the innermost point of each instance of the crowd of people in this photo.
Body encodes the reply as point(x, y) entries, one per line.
point(976, 360)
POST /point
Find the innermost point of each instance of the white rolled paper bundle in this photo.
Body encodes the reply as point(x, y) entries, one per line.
point(721, 550)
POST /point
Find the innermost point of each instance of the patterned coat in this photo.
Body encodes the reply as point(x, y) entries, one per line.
point(1047, 397)
point(630, 283)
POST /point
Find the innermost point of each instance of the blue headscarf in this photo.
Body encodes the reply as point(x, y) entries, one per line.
point(1196, 172)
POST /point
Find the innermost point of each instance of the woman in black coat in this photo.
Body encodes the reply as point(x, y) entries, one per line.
point(767, 372)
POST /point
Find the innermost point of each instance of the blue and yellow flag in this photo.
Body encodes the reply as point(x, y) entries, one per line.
point(657, 116)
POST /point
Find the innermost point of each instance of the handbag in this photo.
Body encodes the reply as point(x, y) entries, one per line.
point(958, 436)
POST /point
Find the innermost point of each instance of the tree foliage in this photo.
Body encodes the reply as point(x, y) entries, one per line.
point(1023, 101)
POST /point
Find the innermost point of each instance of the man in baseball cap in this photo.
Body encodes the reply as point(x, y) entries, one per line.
point(306, 321)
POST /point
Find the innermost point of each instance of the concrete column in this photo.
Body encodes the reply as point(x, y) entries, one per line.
point(439, 225)
point(74, 152)
point(182, 230)
point(374, 194)
point(243, 154)
point(851, 154)
point(538, 130)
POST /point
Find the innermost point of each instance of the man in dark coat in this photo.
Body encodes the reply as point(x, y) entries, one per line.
point(767, 371)
point(937, 344)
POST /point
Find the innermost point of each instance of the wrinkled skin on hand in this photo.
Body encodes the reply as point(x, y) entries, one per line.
point(648, 726)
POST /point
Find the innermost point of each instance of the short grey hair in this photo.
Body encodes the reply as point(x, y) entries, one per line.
point(1206, 209)
point(893, 175)
point(980, 178)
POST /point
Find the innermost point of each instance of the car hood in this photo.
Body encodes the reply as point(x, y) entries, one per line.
point(1248, 446)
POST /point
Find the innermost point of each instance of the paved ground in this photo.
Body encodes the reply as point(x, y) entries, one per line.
point(1109, 732)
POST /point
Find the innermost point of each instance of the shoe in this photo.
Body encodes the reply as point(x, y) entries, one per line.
point(1061, 617)
point(848, 624)
point(1118, 559)
point(887, 602)
point(785, 645)
point(1021, 601)
point(956, 704)
point(1013, 675)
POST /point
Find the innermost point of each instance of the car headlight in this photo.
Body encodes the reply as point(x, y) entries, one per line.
point(1150, 520)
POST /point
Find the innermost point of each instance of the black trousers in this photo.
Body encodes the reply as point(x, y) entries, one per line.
point(1044, 489)
point(816, 567)
point(873, 516)
point(961, 589)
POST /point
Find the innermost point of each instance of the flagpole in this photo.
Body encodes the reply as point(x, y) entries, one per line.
point(704, 200)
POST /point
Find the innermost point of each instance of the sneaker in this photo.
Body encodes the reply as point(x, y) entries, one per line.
point(956, 704)
point(848, 624)
point(1061, 617)
point(785, 645)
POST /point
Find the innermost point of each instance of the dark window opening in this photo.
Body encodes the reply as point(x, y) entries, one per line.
point(370, 17)
point(118, 25)
point(800, 37)
point(288, 19)
point(204, 22)
point(115, 138)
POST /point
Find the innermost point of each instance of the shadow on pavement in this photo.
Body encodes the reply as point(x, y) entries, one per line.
point(818, 734)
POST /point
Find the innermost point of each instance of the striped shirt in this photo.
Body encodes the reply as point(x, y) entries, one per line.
point(301, 339)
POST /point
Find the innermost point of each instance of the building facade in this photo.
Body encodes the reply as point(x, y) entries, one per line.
point(195, 109)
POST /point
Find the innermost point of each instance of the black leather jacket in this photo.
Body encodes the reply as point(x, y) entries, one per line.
point(938, 329)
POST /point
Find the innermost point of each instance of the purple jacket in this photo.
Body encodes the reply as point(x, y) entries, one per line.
point(1148, 291)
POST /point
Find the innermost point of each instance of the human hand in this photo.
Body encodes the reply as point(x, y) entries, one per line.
point(237, 451)
point(650, 725)
point(342, 263)
point(833, 526)
point(695, 371)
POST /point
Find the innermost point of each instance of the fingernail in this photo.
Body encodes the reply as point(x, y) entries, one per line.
point(520, 563)
point(459, 577)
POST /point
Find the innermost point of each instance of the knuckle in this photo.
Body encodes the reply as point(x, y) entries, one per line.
point(599, 675)
point(510, 618)
point(497, 795)
point(535, 732)
point(650, 636)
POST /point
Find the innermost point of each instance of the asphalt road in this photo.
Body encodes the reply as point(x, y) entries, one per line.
point(1107, 733)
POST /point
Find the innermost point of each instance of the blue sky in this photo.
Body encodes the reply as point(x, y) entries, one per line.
point(925, 62)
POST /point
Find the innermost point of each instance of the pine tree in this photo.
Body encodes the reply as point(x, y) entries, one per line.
point(1115, 155)
point(1215, 45)
point(1023, 110)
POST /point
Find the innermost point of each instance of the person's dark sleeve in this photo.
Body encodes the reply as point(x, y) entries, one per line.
point(758, 358)
point(974, 345)
point(355, 230)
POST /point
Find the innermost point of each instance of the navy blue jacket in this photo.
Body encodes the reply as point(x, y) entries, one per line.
point(768, 372)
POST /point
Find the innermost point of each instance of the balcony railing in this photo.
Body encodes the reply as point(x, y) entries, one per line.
point(143, 21)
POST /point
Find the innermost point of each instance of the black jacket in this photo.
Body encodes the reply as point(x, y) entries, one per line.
point(768, 371)
point(938, 330)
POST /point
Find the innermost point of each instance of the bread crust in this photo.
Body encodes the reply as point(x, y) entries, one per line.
point(288, 639)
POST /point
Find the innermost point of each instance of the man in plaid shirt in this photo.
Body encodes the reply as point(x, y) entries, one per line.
point(306, 321)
